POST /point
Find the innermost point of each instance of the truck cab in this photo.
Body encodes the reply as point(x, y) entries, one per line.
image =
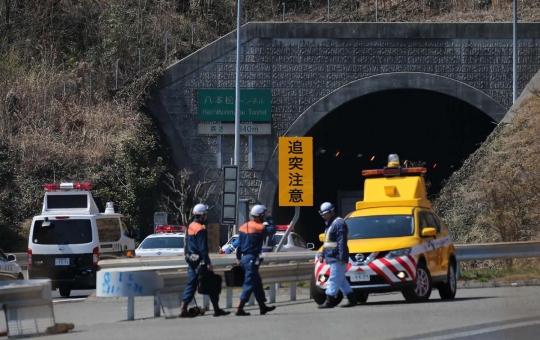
point(70, 236)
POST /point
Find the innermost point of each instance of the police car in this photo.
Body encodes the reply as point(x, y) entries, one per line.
point(70, 236)
point(167, 240)
point(294, 241)
point(9, 270)
point(396, 241)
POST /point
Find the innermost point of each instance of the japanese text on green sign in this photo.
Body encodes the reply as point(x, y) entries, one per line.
point(219, 105)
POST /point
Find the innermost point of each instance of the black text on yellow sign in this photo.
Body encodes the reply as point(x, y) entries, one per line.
point(295, 171)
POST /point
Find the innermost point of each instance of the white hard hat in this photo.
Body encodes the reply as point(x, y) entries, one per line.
point(258, 210)
point(326, 207)
point(200, 209)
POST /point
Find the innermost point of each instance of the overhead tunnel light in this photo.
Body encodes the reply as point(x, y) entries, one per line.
point(372, 158)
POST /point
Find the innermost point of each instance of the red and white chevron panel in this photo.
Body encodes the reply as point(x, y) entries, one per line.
point(382, 267)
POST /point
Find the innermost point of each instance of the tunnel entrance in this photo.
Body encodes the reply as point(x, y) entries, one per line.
point(423, 127)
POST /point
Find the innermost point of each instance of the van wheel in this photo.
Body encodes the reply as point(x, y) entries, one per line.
point(422, 290)
point(64, 292)
point(20, 276)
point(447, 291)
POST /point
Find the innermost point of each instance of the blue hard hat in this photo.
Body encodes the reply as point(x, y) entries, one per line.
point(326, 207)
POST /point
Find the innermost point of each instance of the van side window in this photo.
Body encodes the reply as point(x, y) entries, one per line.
point(128, 232)
point(108, 229)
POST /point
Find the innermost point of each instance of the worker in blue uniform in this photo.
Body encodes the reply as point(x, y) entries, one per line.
point(196, 253)
point(252, 235)
point(336, 254)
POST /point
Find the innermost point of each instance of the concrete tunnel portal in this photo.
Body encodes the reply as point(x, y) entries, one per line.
point(424, 127)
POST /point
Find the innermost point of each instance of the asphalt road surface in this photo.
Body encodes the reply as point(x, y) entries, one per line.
point(491, 313)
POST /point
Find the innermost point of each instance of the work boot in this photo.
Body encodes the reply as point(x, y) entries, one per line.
point(240, 311)
point(184, 312)
point(264, 308)
point(352, 301)
point(221, 312)
point(329, 303)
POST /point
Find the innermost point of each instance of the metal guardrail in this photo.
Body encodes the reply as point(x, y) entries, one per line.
point(497, 251)
point(27, 306)
point(465, 252)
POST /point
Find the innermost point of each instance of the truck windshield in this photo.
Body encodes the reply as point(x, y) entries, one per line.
point(380, 226)
point(63, 232)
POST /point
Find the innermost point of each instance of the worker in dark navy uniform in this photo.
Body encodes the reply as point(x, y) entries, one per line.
point(197, 248)
point(252, 235)
point(336, 254)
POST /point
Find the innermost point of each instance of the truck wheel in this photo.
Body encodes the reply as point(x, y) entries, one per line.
point(447, 291)
point(64, 292)
point(422, 291)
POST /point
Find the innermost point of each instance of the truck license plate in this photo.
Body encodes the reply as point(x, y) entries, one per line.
point(357, 277)
point(62, 262)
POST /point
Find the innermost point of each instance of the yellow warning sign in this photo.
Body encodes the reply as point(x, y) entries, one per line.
point(295, 156)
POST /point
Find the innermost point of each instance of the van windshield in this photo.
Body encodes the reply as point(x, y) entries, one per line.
point(63, 232)
point(380, 226)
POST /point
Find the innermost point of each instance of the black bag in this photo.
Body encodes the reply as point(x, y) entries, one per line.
point(234, 277)
point(209, 283)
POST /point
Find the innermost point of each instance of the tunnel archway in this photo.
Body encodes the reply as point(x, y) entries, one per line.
point(421, 117)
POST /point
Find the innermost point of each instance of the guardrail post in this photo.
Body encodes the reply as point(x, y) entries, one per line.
point(272, 298)
point(228, 298)
point(251, 300)
point(157, 307)
point(458, 271)
point(293, 291)
point(131, 308)
point(206, 302)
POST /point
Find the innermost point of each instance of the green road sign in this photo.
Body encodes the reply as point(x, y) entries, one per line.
point(219, 105)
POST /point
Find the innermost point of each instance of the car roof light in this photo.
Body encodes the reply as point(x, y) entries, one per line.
point(282, 227)
point(390, 172)
point(170, 229)
point(67, 186)
point(393, 160)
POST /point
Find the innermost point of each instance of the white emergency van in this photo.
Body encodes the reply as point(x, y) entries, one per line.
point(70, 236)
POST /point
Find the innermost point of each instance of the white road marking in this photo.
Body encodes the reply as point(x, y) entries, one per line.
point(483, 330)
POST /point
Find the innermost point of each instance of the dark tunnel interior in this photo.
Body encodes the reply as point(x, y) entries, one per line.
point(423, 127)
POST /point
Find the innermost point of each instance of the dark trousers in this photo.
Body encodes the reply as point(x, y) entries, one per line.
point(252, 281)
point(191, 288)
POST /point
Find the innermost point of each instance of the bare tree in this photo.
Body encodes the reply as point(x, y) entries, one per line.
point(186, 190)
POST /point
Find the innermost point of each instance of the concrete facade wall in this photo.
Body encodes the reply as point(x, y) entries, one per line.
point(303, 63)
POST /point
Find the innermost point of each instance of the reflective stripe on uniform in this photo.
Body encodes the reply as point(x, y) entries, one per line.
point(327, 243)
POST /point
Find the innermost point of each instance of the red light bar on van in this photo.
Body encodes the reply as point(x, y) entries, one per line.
point(170, 229)
point(394, 171)
point(282, 227)
point(67, 186)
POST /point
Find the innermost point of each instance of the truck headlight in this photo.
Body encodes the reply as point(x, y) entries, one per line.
point(398, 253)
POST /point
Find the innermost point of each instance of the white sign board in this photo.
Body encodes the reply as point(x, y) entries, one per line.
point(128, 283)
point(228, 129)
